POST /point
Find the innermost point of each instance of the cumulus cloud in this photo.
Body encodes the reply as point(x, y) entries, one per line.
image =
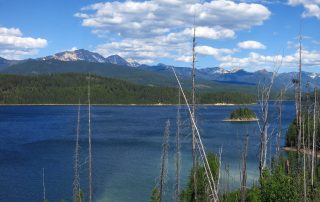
point(256, 61)
point(13, 45)
point(251, 45)
point(146, 30)
point(215, 52)
point(146, 50)
point(141, 19)
point(312, 7)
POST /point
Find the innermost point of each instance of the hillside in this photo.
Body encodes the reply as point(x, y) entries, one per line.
point(134, 75)
point(68, 88)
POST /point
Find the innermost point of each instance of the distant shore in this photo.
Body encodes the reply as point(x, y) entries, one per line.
point(157, 104)
point(229, 104)
point(306, 151)
point(241, 120)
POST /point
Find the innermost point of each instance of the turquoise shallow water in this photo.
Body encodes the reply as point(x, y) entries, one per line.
point(126, 148)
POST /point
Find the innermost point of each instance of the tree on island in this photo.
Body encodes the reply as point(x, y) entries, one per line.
point(242, 114)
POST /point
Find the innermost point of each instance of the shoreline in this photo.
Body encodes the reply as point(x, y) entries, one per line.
point(158, 104)
point(305, 151)
point(241, 120)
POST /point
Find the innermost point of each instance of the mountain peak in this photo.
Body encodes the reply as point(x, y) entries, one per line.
point(234, 70)
point(117, 60)
point(75, 55)
point(133, 63)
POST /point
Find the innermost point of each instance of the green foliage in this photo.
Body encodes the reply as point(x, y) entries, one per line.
point(278, 187)
point(242, 113)
point(187, 195)
point(68, 88)
point(291, 136)
point(228, 98)
point(155, 196)
point(253, 194)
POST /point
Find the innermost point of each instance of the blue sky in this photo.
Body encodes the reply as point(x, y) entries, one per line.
point(249, 34)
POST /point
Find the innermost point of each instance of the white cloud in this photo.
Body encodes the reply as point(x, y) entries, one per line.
point(251, 45)
point(10, 32)
point(215, 52)
point(148, 49)
point(256, 61)
point(312, 7)
point(184, 58)
point(73, 48)
point(13, 45)
point(147, 30)
point(140, 19)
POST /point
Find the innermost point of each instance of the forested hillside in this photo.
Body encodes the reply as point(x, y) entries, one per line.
point(69, 88)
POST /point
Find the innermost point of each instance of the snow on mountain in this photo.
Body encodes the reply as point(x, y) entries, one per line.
point(132, 62)
point(314, 75)
point(117, 60)
point(76, 55)
point(234, 70)
point(85, 55)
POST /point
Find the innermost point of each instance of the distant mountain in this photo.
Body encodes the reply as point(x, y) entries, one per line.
point(238, 76)
point(136, 75)
point(117, 60)
point(76, 55)
point(88, 56)
point(84, 61)
point(4, 63)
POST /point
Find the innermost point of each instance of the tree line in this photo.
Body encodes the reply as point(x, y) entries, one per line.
point(69, 88)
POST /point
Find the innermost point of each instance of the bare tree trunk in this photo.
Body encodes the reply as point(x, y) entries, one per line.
point(178, 154)
point(43, 186)
point(76, 178)
point(164, 160)
point(89, 141)
point(300, 91)
point(263, 137)
point(265, 96)
point(203, 155)
point(304, 165)
point(314, 136)
point(194, 163)
point(219, 174)
point(308, 130)
point(296, 99)
point(244, 170)
point(279, 124)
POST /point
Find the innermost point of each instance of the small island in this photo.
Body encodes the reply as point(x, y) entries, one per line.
point(242, 114)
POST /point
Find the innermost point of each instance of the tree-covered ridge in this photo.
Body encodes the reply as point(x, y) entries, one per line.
point(228, 98)
point(69, 88)
point(242, 114)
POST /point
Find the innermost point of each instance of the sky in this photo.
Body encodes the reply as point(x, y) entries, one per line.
point(247, 34)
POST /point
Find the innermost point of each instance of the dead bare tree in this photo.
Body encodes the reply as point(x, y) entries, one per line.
point(264, 91)
point(211, 181)
point(219, 174)
point(89, 141)
point(178, 154)
point(279, 124)
point(304, 163)
point(314, 137)
point(300, 94)
point(44, 186)
point(279, 106)
point(76, 178)
point(194, 163)
point(244, 170)
point(164, 161)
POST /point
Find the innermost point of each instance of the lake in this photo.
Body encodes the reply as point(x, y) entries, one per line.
point(126, 148)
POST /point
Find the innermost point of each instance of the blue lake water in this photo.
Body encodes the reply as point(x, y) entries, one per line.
point(126, 148)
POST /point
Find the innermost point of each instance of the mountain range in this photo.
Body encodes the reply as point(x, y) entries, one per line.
point(84, 61)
